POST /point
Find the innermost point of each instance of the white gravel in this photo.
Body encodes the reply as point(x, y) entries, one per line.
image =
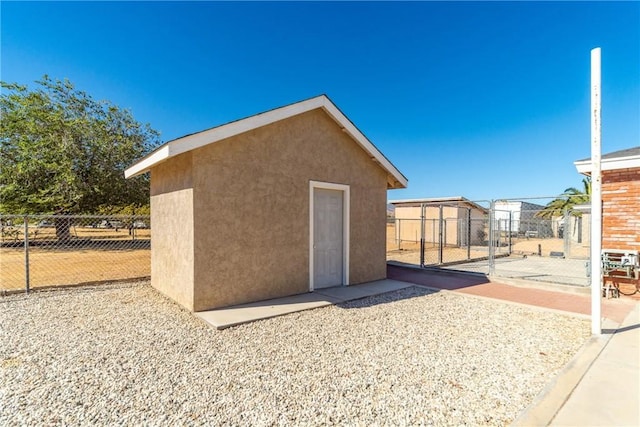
point(123, 354)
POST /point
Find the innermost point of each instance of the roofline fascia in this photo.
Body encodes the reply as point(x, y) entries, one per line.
point(142, 166)
point(584, 166)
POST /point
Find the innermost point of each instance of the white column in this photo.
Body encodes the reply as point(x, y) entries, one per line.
point(596, 196)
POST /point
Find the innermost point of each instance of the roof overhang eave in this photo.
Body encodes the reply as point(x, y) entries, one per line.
point(395, 184)
point(145, 164)
point(584, 166)
point(200, 139)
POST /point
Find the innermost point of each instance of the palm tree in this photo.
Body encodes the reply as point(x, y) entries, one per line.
point(567, 200)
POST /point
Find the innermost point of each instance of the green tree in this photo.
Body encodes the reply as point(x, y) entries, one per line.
point(61, 151)
point(570, 197)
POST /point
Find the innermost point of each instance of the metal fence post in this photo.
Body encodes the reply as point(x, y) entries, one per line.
point(26, 253)
point(509, 231)
point(399, 234)
point(566, 235)
point(440, 231)
point(468, 233)
point(422, 235)
point(433, 232)
point(491, 237)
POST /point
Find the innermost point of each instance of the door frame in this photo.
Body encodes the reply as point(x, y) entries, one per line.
point(345, 227)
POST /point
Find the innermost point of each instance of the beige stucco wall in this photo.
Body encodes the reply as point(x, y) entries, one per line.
point(251, 210)
point(172, 224)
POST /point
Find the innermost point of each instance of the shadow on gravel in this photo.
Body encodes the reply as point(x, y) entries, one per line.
point(388, 297)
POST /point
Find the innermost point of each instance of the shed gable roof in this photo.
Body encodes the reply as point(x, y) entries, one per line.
point(622, 159)
point(186, 143)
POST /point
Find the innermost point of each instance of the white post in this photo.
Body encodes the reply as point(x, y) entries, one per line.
point(596, 196)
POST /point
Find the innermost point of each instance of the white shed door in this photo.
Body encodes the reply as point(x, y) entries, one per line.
point(327, 238)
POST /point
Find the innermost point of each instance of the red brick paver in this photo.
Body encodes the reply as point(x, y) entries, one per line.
point(614, 309)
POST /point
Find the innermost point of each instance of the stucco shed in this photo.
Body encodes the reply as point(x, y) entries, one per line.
point(276, 204)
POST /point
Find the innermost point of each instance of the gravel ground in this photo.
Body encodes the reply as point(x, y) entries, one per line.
point(123, 354)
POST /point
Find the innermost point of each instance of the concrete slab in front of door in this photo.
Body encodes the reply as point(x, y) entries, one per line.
point(232, 316)
point(348, 293)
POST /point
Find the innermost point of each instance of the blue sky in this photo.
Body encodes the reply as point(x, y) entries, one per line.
point(484, 99)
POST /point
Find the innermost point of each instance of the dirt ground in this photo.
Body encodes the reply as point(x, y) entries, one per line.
point(16, 234)
point(530, 246)
point(51, 268)
point(431, 255)
point(409, 252)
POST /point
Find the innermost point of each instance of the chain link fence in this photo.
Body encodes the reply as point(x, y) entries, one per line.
point(432, 234)
point(509, 238)
point(501, 238)
point(51, 250)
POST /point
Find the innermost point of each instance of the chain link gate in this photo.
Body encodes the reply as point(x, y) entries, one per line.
point(506, 238)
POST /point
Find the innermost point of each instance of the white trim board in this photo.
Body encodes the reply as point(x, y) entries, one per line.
point(346, 209)
point(584, 166)
point(213, 135)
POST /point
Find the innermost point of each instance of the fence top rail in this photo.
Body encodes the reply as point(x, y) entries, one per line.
point(465, 204)
point(519, 199)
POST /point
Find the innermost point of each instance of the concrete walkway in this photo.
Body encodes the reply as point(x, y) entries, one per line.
point(245, 313)
point(609, 392)
point(601, 385)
